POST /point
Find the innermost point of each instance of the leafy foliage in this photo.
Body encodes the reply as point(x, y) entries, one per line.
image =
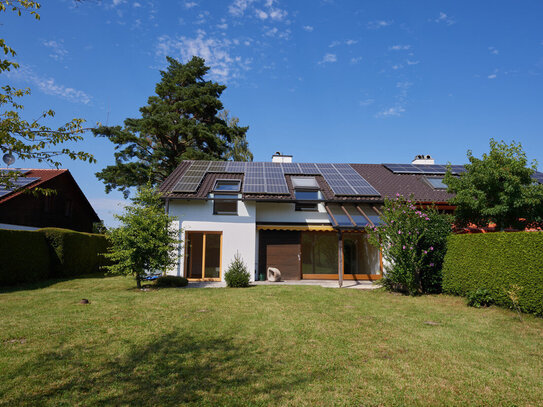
point(498, 188)
point(508, 265)
point(145, 241)
point(413, 244)
point(480, 298)
point(237, 274)
point(31, 139)
point(171, 281)
point(183, 121)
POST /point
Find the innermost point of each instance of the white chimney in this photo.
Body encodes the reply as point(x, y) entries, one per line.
point(423, 160)
point(281, 158)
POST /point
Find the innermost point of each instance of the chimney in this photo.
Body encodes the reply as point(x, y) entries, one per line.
point(281, 158)
point(423, 160)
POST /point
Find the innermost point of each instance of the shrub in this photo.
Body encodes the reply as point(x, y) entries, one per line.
point(237, 274)
point(74, 253)
point(480, 298)
point(24, 257)
point(501, 263)
point(413, 244)
point(171, 281)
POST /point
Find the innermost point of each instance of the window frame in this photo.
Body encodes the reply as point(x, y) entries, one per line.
point(428, 182)
point(227, 181)
point(225, 198)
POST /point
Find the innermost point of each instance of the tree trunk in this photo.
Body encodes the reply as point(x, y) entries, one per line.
point(138, 281)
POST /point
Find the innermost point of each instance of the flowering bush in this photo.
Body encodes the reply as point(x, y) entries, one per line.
point(413, 244)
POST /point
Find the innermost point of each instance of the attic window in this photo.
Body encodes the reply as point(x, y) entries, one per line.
point(225, 204)
point(436, 182)
point(306, 190)
point(227, 185)
point(305, 183)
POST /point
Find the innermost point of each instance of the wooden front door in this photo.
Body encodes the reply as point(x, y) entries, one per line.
point(282, 250)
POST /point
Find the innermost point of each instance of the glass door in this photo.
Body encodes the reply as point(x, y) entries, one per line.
point(203, 254)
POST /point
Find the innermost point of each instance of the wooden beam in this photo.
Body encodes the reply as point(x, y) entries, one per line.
point(364, 215)
point(349, 216)
point(340, 258)
point(331, 215)
point(377, 210)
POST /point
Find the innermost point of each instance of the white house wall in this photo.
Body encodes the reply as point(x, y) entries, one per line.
point(238, 232)
point(284, 213)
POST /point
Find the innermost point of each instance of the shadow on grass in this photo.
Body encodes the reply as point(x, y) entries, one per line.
point(174, 369)
point(47, 283)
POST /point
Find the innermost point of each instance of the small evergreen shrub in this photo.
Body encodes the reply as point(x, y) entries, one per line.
point(237, 274)
point(171, 281)
point(480, 298)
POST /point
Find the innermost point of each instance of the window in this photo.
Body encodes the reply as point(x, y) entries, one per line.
point(306, 190)
point(225, 204)
point(68, 208)
point(203, 255)
point(227, 185)
point(307, 195)
point(436, 182)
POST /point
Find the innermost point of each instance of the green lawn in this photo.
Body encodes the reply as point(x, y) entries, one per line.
point(260, 346)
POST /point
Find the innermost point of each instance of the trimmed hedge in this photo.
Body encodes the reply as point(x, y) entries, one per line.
point(31, 256)
point(24, 257)
point(74, 253)
point(497, 262)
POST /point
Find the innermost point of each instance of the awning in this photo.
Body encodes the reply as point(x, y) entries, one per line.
point(353, 216)
point(308, 228)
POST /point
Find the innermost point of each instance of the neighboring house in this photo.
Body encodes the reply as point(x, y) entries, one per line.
point(67, 207)
point(305, 219)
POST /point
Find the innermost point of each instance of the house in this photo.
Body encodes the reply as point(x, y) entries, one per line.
point(305, 219)
point(66, 208)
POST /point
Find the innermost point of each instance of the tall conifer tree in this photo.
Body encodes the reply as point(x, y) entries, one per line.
point(182, 121)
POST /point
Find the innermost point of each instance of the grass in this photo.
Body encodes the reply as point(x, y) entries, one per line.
point(260, 346)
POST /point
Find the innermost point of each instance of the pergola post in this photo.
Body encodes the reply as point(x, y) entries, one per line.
point(340, 258)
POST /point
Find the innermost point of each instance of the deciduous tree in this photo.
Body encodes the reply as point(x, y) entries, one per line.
point(497, 188)
point(30, 139)
point(145, 241)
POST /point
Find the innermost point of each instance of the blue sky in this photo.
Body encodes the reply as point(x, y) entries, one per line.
point(326, 81)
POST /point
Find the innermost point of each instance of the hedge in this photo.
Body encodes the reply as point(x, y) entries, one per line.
point(74, 253)
point(30, 256)
point(497, 262)
point(24, 257)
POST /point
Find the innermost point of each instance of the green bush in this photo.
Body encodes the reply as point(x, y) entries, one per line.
point(74, 253)
point(480, 298)
point(413, 243)
point(171, 281)
point(24, 257)
point(237, 274)
point(499, 262)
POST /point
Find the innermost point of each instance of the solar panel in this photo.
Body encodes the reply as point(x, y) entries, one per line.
point(269, 177)
point(20, 182)
point(423, 168)
point(538, 176)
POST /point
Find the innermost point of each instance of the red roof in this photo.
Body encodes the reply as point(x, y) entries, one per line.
point(43, 175)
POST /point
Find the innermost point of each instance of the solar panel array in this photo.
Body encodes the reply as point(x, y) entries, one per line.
point(20, 182)
point(538, 176)
point(269, 177)
point(423, 168)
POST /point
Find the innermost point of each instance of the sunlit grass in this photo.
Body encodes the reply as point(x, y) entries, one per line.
point(260, 346)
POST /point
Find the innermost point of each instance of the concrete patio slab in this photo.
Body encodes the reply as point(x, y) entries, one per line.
point(360, 285)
